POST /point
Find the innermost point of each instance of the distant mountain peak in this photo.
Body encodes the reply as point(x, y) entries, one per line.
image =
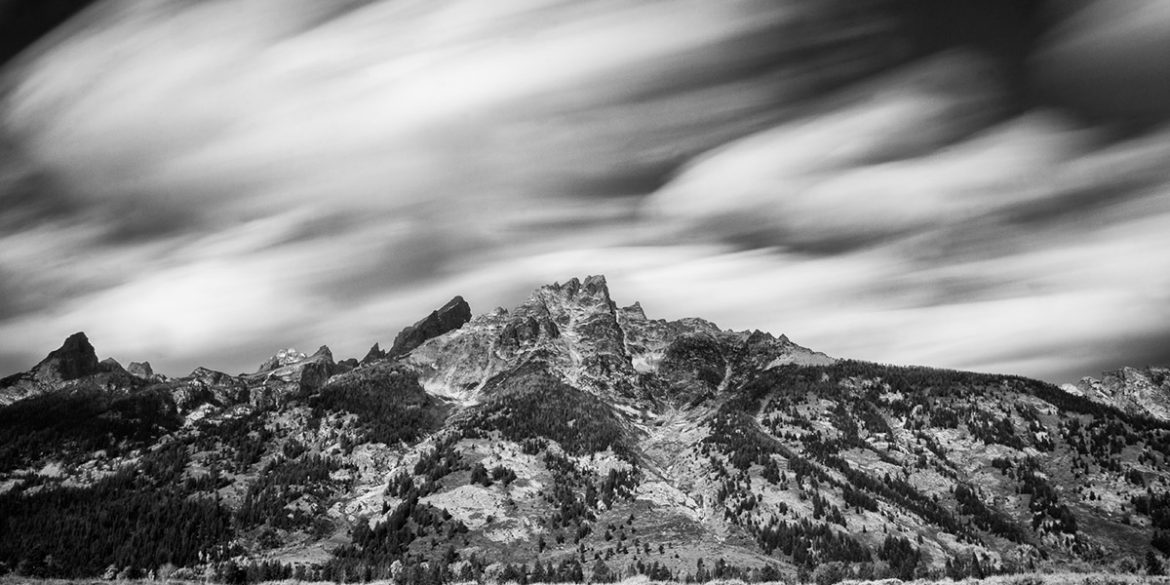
point(282, 358)
point(144, 371)
point(74, 359)
point(141, 369)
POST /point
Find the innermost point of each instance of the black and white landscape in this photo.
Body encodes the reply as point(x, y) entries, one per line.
point(976, 191)
point(570, 437)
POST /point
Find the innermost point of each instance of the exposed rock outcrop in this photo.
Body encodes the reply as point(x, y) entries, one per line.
point(1140, 391)
point(282, 358)
point(141, 369)
point(449, 317)
point(294, 371)
point(578, 332)
point(376, 353)
point(74, 359)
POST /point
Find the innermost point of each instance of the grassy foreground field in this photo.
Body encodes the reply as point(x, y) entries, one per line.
point(1018, 579)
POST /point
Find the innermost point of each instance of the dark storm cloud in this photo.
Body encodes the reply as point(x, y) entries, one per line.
point(892, 181)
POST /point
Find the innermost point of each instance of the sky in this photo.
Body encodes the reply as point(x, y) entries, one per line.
point(981, 185)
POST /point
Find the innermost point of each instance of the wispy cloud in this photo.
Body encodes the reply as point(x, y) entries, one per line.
point(202, 183)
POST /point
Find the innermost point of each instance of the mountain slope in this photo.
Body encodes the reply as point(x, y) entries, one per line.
point(1141, 391)
point(570, 438)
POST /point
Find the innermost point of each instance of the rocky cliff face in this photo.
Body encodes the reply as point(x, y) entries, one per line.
point(142, 370)
point(282, 358)
point(290, 366)
point(578, 331)
point(74, 360)
point(449, 317)
point(574, 433)
point(1140, 391)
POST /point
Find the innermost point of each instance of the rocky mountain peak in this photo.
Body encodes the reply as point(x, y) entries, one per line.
point(306, 372)
point(141, 369)
point(74, 359)
point(594, 290)
point(573, 303)
point(208, 376)
point(571, 328)
point(73, 365)
point(322, 353)
point(575, 330)
point(376, 353)
point(634, 311)
point(595, 285)
point(449, 317)
point(282, 358)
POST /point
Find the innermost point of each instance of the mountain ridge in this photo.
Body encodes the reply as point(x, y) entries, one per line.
point(1144, 391)
point(572, 435)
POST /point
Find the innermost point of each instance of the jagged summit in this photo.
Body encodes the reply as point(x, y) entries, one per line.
point(571, 328)
point(282, 358)
point(594, 285)
point(634, 311)
point(376, 353)
point(556, 299)
point(74, 359)
point(141, 369)
point(576, 330)
point(323, 353)
point(446, 318)
point(73, 365)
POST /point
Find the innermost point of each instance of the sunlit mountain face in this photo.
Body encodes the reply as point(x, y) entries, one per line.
point(977, 185)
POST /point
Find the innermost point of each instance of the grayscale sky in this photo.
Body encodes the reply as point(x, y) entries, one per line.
point(969, 184)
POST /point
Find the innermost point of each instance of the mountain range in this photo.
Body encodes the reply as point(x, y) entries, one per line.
point(572, 439)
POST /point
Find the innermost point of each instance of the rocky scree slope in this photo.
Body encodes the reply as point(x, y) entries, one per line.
point(564, 439)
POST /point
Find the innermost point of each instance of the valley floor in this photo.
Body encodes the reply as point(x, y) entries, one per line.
point(1017, 579)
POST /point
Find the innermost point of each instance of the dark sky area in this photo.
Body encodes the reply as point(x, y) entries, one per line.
point(969, 184)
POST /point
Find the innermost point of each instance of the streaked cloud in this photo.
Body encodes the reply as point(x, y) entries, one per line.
point(204, 183)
